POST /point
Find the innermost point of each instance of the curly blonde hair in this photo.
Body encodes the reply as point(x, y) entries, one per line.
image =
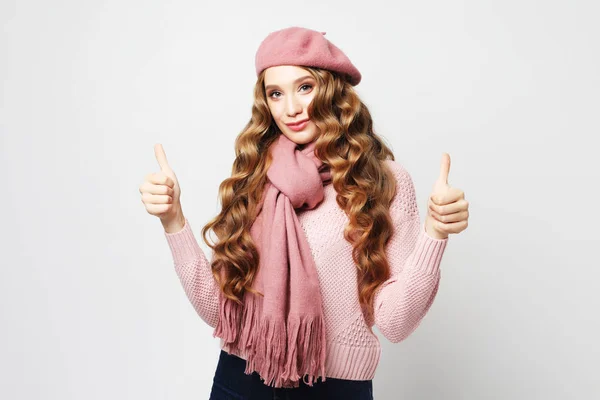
point(364, 187)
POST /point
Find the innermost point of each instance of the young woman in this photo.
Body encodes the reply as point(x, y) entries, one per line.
point(319, 236)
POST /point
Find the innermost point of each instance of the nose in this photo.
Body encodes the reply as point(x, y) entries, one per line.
point(292, 106)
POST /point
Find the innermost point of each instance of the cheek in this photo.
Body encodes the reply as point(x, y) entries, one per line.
point(313, 128)
point(307, 101)
point(275, 111)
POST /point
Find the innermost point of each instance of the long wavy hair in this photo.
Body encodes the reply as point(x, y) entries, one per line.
point(364, 187)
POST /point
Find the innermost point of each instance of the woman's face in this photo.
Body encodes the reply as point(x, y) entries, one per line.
point(289, 90)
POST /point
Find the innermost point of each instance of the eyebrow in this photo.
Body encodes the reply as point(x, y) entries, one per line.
point(296, 81)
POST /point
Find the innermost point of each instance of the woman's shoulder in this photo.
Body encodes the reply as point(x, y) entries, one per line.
point(402, 176)
point(404, 202)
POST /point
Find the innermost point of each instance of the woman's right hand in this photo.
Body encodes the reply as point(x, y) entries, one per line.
point(161, 194)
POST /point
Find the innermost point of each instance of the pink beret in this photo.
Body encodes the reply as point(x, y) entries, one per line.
point(304, 47)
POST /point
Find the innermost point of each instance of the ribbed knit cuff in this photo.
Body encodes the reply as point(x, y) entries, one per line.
point(428, 252)
point(183, 245)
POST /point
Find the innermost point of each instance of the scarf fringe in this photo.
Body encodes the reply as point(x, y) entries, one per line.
point(281, 353)
point(228, 324)
point(306, 350)
point(268, 355)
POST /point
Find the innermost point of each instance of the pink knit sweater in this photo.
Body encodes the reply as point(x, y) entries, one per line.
point(353, 350)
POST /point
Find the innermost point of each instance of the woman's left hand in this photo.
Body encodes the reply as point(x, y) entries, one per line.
point(447, 211)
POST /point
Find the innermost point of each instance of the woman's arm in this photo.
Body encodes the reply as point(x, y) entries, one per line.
point(195, 273)
point(402, 301)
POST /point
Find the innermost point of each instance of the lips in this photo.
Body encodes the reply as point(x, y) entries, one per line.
point(297, 123)
point(298, 126)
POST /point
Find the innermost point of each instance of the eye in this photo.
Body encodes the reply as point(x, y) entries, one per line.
point(306, 85)
point(272, 95)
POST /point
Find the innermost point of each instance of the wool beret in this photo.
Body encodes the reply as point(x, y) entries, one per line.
point(304, 47)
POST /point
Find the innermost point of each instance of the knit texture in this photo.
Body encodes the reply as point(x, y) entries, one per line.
point(301, 46)
point(282, 331)
point(401, 302)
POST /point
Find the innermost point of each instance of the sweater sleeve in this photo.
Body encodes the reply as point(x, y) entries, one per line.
point(402, 301)
point(194, 272)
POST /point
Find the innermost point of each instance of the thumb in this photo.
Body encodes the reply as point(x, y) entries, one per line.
point(444, 168)
point(161, 157)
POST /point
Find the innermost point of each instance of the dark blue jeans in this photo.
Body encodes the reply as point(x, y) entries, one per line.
point(231, 383)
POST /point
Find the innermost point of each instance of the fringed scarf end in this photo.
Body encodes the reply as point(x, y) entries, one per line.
point(268, 355)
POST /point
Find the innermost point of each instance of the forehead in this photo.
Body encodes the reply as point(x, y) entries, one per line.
point(284, 74)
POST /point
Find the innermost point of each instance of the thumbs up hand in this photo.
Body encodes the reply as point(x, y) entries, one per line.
point(161, 193)
point(447, 211)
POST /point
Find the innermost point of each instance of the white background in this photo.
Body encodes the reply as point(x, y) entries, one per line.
point(90, 306)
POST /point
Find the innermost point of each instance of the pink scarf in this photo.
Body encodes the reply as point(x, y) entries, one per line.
point(282, 333)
